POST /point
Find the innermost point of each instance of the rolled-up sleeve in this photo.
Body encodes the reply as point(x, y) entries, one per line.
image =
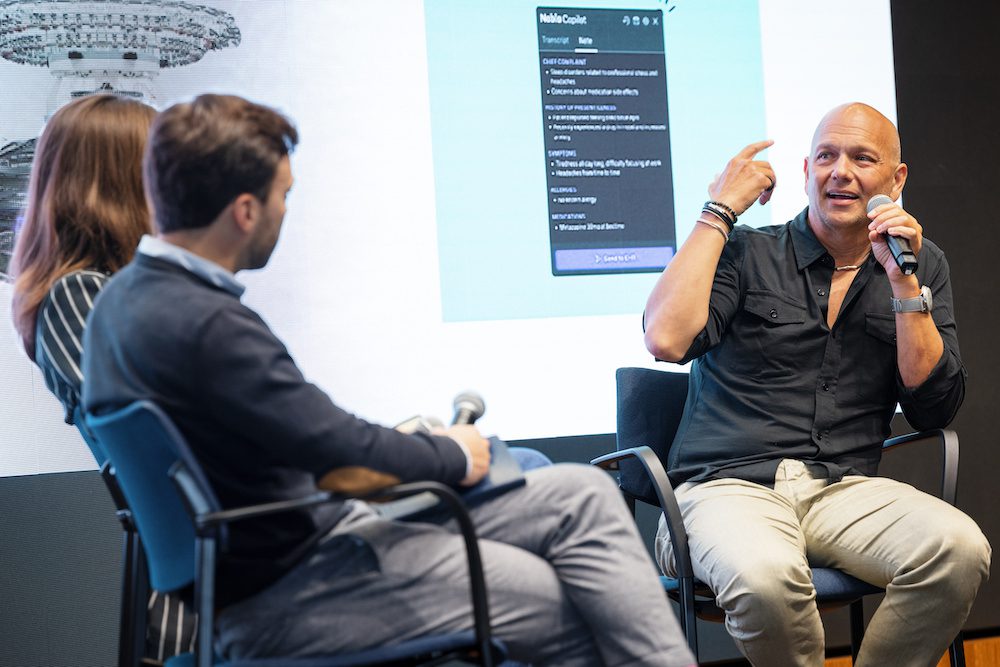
point(724, 302)
point(935, 402)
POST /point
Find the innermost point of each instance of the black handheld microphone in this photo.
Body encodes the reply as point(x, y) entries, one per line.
point(469, 406)
point(898, 246)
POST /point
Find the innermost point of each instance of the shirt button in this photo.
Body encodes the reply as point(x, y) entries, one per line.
point(821, 291)
point(774, 313)
point(825, 386)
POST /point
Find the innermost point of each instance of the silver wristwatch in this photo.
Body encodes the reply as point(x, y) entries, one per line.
point(917, 304)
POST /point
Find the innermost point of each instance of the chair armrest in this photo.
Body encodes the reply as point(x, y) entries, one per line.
point(206, 521)
point(949, 452)
point(450, 498)
point(665, 495)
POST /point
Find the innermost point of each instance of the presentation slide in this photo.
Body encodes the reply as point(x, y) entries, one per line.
point(574, 187)
point(485, 192)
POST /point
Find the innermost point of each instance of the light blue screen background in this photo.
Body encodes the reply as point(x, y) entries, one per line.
point(489, 157)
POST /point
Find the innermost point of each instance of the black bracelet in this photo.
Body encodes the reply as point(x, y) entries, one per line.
point(721, 215)
point(722, 211)
point(720, 204)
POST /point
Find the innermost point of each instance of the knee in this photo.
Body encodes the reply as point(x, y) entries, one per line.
point(959, 554)
point(768, 589)
point(576, 479)
point(967, 550)
point(579, 489)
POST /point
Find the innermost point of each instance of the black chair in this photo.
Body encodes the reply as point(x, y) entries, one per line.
point(183, 527)
point(650, 406)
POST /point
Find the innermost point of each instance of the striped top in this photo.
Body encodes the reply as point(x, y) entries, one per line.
point(62, 318)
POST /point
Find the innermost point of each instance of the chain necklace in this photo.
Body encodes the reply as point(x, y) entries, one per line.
point(852, 267)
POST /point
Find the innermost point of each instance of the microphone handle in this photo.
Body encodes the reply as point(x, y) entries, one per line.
point(902, 253)
point(464, 416)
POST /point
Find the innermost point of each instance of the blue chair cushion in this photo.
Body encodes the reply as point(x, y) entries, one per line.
point(831, 585)
point(835, 586)
point(670, 584)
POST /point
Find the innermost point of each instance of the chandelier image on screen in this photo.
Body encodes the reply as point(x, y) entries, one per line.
point(115, 47)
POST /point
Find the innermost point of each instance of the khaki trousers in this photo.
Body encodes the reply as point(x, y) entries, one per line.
point(753, 545)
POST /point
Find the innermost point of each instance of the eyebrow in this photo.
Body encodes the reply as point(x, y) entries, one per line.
point(864, 148)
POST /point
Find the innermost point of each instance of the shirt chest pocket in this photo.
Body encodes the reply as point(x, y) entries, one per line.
point(772, 327)
point(881, 327)
point(773, 308)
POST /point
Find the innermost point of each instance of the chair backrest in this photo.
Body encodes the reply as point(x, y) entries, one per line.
point(107, 470)
point(96, 449)
point(650, 406)
point(144, 446)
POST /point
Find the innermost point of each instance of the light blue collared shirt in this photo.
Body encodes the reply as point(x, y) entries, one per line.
point(207, 270)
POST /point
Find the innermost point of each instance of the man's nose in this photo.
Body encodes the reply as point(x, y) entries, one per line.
point(841, 168)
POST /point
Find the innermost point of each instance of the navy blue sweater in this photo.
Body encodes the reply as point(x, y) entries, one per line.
point(260, 431)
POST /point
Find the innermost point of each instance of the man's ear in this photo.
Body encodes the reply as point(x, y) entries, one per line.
point(245, 212)
point(899, 180)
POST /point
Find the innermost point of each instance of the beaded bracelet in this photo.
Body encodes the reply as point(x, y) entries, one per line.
point(722, 212)
point(716, 227)
point(721, 205)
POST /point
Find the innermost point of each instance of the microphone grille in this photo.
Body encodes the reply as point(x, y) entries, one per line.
point(877, 201)
point(471, 401)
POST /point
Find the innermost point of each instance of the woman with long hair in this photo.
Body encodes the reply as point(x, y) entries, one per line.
point(85, 214)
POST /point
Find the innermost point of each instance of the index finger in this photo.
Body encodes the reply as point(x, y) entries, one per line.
point(884, 208)
point(755, 148)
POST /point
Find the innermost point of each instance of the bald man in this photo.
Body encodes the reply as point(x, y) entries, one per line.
point(803, 337)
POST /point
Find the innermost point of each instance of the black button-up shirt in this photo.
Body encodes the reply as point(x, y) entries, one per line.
point(771, 380)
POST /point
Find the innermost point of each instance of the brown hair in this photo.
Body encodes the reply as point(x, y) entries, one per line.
point(204, 153)
point(86, 206)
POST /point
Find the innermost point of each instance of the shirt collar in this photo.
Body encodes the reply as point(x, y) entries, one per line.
point(207, 270)
point(807, 247)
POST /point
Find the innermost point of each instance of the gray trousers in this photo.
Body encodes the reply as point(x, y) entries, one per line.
point(569, 583)
point(753, 545)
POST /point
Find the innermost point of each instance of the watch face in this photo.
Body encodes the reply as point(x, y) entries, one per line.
point(925, 292)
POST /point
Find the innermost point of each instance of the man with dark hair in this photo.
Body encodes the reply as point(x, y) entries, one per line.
point(804, 336)
point(200, 164)
point(569, 580)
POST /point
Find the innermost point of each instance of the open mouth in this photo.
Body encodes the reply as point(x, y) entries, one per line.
point(841, 196)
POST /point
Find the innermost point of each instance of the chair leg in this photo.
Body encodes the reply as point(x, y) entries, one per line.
point(857, 628)
point(140, 601)
point(688, 620)
point(956, 652)
point(126, 627)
